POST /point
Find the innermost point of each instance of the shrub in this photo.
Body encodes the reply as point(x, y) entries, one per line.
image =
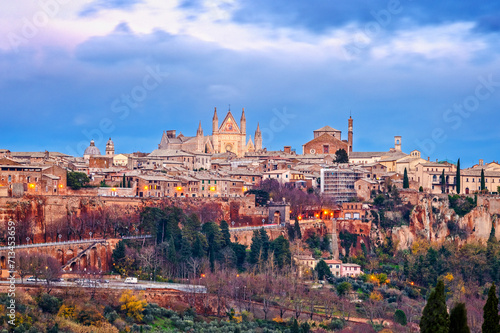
point(48, 303)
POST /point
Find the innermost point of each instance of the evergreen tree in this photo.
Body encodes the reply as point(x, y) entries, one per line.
point(458, 319)
point(241, 252)
point(119, 252)
point(458, 177)
point(296, 226)
point(226, 236)
point(172, 253)
point(406, 182)
point(281, 249)
point(400, 317)
point(435, 318)
point(185, 252)
point(492, 251)
point(490, 313)
point(129, 185)
point(323, 270)
point(255, 248)
point(295, 327)
point(341, 156)
point(483, 183)
point(198, 250)
point(124, 181)
point(291, 232)
point(443, 182)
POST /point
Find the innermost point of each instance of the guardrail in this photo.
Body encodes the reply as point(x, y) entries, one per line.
point(81, 241)
point(265, 226)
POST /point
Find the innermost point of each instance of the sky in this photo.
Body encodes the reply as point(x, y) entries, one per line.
point(72, 71)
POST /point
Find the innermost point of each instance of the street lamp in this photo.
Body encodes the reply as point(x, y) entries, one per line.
point(232, 222)
point(90, 234)
point(59, 236)
point(27, 240)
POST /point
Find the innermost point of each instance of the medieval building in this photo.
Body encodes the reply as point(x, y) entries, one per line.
point(327, 140)
point(228, 137)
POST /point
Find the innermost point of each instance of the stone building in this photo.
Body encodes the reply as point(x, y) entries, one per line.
point(328, 140)
point(228, 137)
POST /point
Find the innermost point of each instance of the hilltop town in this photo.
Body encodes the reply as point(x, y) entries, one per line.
point(205, 205)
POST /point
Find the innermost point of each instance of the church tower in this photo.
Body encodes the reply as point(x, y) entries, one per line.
point(110, 148)
point(258, 138)
point(349, 135)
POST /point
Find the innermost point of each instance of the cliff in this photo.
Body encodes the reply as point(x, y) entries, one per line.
point(433, 220)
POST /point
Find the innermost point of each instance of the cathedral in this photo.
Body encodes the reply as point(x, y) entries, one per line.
point(228, 137)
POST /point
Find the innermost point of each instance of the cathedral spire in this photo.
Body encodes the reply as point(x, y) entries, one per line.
point(215, 122)
point(258, 138)
point(200, 130)
point(243, 122)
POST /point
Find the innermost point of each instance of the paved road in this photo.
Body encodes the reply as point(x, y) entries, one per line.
point(141, 285)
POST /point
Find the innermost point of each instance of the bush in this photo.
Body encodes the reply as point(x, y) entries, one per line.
point(336, 324)
point(400, 317)
point(50, 304)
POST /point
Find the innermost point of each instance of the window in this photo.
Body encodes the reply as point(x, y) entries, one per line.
point(325, 149)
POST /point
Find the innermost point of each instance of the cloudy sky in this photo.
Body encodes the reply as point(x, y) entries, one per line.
point(77, 70)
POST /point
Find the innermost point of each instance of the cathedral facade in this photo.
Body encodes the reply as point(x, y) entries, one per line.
point(228, 137)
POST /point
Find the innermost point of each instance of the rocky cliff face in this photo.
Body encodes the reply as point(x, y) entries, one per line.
point(431, 219)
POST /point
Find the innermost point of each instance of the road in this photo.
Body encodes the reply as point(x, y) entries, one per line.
point(141, 285)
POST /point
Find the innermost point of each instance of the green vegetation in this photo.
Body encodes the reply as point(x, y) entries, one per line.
point(458, 181)
point(77, 180)
point(458, 319)
point(341, 156)
point(406, 182)
point(435, 318)
point(460, 204)
point(490, 312)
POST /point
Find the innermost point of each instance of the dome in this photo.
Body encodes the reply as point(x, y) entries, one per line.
point(91, 150)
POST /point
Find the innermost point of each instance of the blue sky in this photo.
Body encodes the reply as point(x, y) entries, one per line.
point(130, 69)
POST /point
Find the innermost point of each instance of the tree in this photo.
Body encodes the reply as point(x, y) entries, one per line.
point(400, 317)
point(76, 180)
point(119, 252)
point(483, 184)
point(406, 182)
point(281, 249)
point(443, 182)
point(226, 236)
point(323, 270)
point(341, 156)
point(458, 319)
point(435, 318)
point(490, 313)
point(132, 305)
point(296, 226)
point(458, 177)
point(343, 288)
point(124, 181)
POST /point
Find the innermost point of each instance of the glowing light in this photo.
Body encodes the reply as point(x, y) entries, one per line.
point(202, 275)
point(32, 185)
point(60, 185)
point(244, 188)
point(300, 217)
point(179, 188)
point(331, 214)
point(237, 275)
point(113, 189)
point(317, 215)
point(212, 188)
point(146, 188)
point(411, 283)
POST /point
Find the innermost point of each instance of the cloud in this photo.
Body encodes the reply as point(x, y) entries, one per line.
point(98, 5)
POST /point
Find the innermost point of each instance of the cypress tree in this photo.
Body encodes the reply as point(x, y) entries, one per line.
point(490, 313)
point(226, 236)
point(124, 181)
point(406, 182)
point(443, 182)
point(483, 183)
point(296, 226)
point(458, 319)
point(129, 185)
point(458, 177)
point(435, 318)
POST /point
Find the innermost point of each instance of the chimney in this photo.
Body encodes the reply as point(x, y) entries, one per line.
point(288, 149)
